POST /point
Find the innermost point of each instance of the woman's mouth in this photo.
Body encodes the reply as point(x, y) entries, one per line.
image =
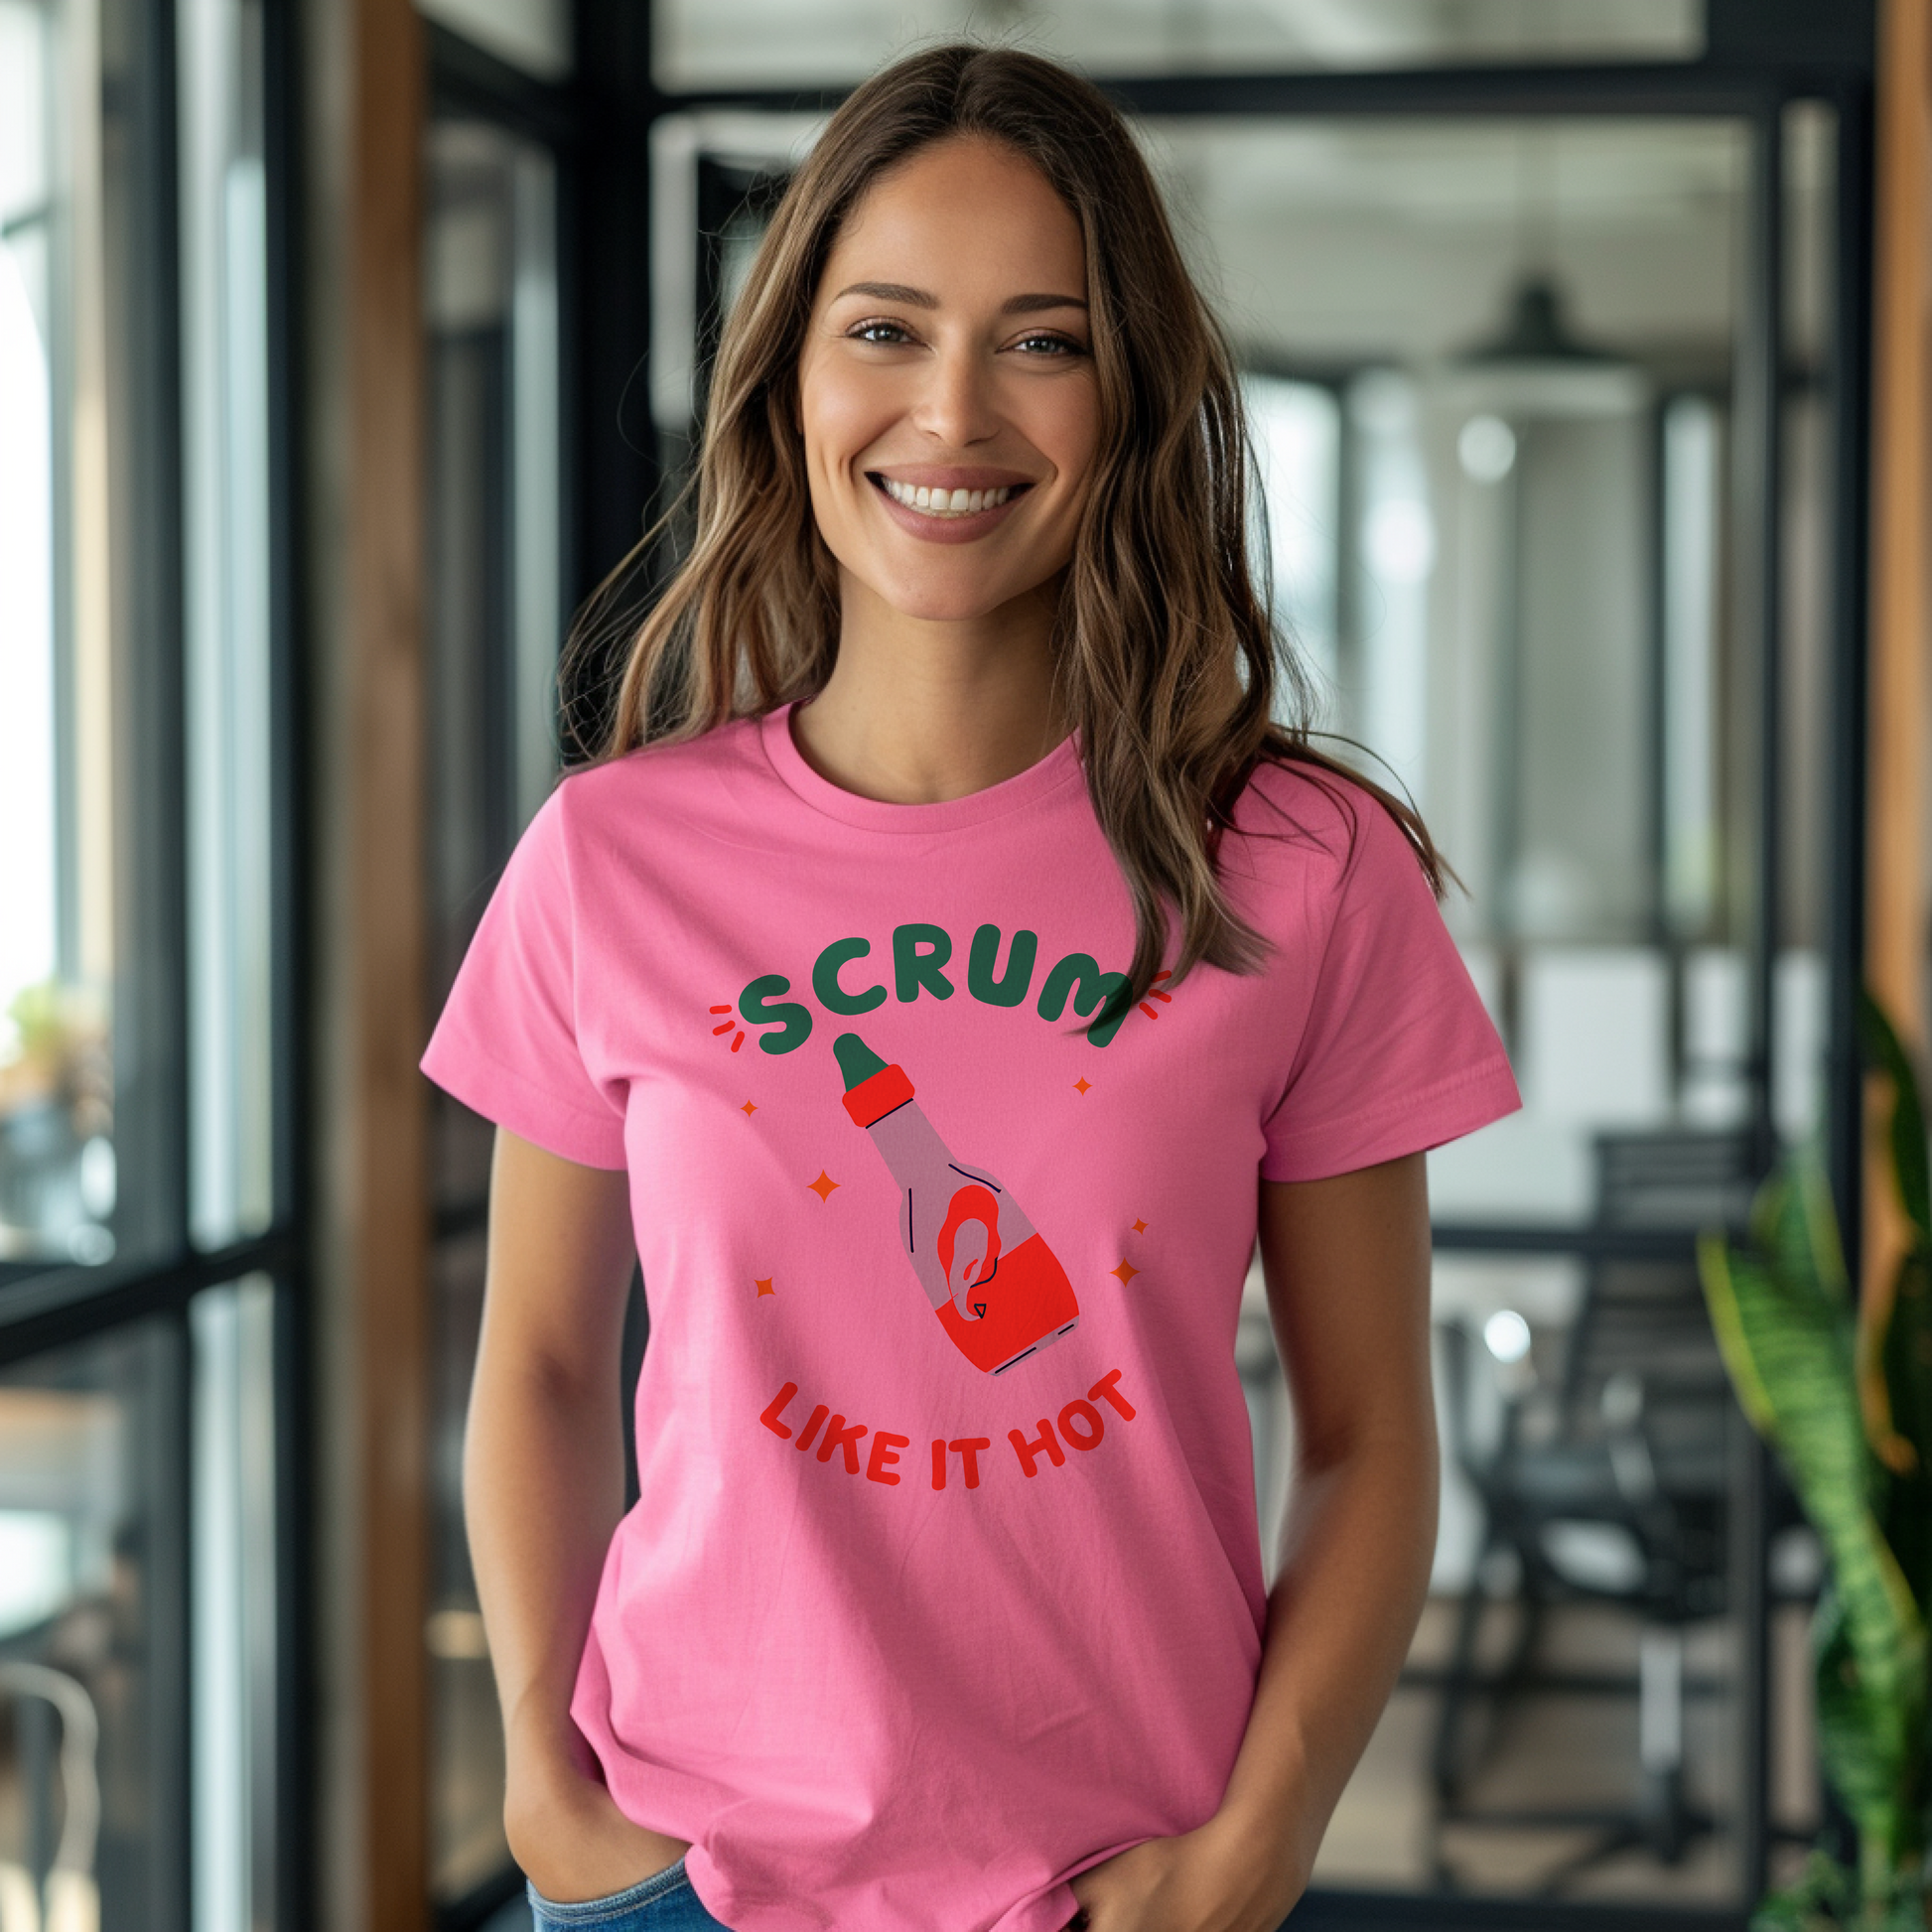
point(942, 515)
point(944, 503)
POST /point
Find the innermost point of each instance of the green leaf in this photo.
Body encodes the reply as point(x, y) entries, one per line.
point(1785, 1325)
point(1907, 1367)
point(1715, 1268)
point(1864, 1742)
point(1885, 1054)
point(1820, 1899)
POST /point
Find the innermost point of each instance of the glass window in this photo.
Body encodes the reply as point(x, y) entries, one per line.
point(495, 623)
point(1296, 431)
point(715, 178)
point(92, 1832)
point(233, 1606)
point(1509, 345)
point(496, 609)
point(232, 787)
point(63, 948)
point(93, 1141)
point(705, 43)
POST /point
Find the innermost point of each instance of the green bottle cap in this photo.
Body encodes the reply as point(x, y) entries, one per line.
point(857, 1061)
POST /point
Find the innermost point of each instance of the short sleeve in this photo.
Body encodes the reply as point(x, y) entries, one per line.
point(508, 1041)
point(1397, 1054)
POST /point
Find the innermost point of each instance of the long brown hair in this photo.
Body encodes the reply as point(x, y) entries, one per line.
point(1166, 658)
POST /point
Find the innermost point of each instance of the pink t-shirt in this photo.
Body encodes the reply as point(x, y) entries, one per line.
point(946, 1582)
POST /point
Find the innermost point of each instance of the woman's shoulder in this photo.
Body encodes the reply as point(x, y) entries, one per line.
point(1318, 816)
point(666, 774)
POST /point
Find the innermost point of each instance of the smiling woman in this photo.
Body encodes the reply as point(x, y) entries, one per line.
point(967, 644)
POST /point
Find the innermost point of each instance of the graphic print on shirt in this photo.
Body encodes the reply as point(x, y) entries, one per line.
point(998, 1289)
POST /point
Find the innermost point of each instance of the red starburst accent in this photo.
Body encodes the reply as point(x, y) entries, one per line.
point(1155, 993)
point(731, 1027)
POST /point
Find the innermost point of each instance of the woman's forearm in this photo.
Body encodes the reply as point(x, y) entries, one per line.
point(1357, 1553)
point(543, 1490)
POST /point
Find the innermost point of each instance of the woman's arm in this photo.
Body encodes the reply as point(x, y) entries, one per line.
point(1346, 1262)
point(542, 1492)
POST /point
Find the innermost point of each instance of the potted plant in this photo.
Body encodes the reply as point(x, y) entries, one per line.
point(1843, 1392)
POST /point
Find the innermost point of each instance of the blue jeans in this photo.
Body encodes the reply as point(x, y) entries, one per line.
point(663, 1902)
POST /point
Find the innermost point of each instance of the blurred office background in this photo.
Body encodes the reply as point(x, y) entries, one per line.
point(344, 350)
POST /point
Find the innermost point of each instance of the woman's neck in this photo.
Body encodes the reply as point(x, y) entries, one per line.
point(917, 712)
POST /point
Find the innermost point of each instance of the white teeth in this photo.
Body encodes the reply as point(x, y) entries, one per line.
point(945, 503)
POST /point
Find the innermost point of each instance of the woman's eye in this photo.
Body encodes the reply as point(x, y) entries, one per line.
point(878, 332)
point(1050, 345)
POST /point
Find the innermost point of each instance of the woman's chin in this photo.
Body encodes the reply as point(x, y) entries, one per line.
point(946, 603)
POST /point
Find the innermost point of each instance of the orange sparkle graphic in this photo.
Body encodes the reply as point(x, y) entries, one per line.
point(1140, 1227)
point(748, 1110)
point(1082, 1084)
point(1126, 1270)
point(1155, 993)
point(823, 1186)
point(730, 1026)
point(765, 1286)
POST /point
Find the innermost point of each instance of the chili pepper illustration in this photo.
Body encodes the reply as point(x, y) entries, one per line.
point(998, 1289)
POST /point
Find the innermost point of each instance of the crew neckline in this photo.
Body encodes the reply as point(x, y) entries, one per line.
point(1058, 770)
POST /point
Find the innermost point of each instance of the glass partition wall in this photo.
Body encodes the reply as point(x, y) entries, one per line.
point(495, 618)
point(1496, 383)
point(1546, 384)
point(1509, 389)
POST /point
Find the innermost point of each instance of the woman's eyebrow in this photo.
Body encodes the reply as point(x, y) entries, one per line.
point(1025, 305)
point(1018, 305)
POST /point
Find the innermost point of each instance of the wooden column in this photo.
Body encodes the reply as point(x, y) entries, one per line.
point(1902, 576)
point(365, 88)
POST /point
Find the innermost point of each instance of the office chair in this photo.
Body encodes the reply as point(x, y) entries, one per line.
point(1632, 1434)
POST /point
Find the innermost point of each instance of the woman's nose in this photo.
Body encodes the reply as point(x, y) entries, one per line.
point(955, 407)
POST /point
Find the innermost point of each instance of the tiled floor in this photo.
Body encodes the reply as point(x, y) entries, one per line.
point(1554, 1750)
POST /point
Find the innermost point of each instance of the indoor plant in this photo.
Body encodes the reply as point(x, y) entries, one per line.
point(1843, 1394)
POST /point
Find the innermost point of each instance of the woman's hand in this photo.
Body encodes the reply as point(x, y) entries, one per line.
point(565, 1830)
point(1214, 1879)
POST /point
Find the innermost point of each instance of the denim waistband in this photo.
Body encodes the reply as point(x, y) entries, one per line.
point(597, 1912)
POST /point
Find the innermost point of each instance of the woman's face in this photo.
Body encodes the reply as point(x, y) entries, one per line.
point(947, 387)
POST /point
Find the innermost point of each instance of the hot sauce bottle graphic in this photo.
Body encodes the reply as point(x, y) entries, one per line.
point(998, 1289)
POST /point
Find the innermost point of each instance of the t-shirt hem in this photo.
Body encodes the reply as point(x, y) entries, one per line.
point(487, 1087)
point(1412, 1124)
